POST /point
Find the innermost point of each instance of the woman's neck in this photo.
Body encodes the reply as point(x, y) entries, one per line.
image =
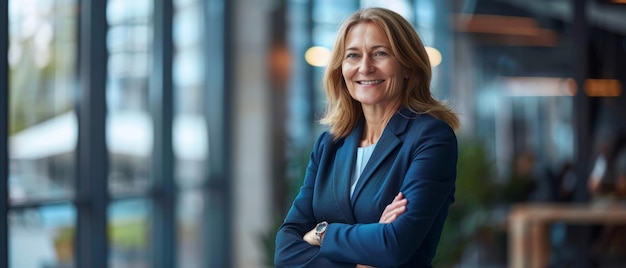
point(375, 123)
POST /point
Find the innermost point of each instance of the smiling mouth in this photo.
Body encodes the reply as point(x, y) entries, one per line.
point(370, 82)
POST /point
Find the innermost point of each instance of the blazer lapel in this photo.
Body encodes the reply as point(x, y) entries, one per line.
point(384, 147)
point(344, 163)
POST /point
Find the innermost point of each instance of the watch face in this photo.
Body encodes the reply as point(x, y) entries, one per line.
point(321, 227)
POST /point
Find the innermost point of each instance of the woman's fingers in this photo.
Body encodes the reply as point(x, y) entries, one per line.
point(395, 205)
point(393, 210)
point(391, 215)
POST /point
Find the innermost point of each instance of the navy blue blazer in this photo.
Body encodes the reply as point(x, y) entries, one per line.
point(415, 155)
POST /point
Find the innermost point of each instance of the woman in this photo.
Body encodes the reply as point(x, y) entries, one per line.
point(379, 183)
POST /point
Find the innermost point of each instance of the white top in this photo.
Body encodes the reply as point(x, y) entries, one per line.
point(363, 155)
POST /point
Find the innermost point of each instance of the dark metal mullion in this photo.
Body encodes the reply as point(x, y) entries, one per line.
point(4, 133)
point(580, 237)
point(579, 41)
point(91, 245)
point(40, 202)
point(217, 231)
point(161, 102)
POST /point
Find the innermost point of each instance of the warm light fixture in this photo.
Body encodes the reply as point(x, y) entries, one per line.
point(603, 87)
point(496, 24)
point(434, 56)
point(317, 56)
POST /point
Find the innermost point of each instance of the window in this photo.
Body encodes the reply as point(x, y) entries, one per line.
point(42, 132)
point(114, 94)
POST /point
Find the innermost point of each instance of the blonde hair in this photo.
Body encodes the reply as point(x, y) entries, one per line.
point(343, 112)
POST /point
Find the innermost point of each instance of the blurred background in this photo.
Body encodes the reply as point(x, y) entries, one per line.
point(175, 133)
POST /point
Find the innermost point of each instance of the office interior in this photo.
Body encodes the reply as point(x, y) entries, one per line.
point(174, 133)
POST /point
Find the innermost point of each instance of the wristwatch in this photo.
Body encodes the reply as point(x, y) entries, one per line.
point(319, 231)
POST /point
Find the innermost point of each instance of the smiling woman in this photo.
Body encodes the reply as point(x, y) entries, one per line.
point(379, 183)
point(373, 75)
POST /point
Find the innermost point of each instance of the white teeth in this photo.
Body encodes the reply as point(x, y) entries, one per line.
point(372, 82)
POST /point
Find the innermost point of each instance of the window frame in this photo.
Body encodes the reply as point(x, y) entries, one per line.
point(4, 132)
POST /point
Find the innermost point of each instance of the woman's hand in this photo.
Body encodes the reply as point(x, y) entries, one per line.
point(364, 266)
point(310, 238)
point(393, 210)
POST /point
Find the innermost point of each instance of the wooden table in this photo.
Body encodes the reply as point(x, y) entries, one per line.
point(529, 243)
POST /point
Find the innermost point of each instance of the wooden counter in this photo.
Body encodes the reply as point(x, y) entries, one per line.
point(529, 237)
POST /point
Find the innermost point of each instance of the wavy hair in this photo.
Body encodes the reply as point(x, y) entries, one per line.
point(343, 112)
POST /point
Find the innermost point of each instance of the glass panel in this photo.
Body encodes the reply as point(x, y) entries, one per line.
point(333, 12)
point(43, 132)
point(42, 237)
point(129, 233)
point(542, 129)
point(129, 127)
point(190, 133)
point(189, 222)
point(326, 16)
point(190, 128)
point(403, 7)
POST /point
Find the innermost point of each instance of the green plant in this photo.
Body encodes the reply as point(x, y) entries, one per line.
point(296, 169)
point(475, 191)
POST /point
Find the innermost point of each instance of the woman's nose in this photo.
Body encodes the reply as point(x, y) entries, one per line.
point(366, 66)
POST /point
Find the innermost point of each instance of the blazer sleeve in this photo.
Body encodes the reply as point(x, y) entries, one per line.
point(291, 249)
point(429, 188)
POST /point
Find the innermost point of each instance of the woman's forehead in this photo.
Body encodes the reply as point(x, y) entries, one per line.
point(366, 33)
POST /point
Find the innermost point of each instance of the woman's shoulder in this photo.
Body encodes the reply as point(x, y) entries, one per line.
point(421, 121)
point(325, 139)
point(426, 125)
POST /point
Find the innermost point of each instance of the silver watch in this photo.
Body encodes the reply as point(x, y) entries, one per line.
point(319, 230)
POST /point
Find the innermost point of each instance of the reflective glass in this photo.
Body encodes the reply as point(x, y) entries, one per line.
point(403, 7)
point(129, 233)
point(42, 237)
point(189, 224)
point(190, 134)
point(544, 127)
point(43, 132)
point(190, 140)
point(129, 127)
point(333, 12)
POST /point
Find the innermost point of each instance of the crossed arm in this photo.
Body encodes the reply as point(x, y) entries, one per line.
point(390, 214)
point(414, 216)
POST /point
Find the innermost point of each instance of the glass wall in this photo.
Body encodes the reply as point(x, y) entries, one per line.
point(129, 233)
point(51, 210)
point(42, 131)
point(190, 134)
point(43, 124)
point(129, 131)
point(129, 126)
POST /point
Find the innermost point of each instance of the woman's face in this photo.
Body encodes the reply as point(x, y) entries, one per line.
point(371, 72)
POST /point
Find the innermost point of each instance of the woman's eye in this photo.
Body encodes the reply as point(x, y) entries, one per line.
point(380, 54)
point(351, 55)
